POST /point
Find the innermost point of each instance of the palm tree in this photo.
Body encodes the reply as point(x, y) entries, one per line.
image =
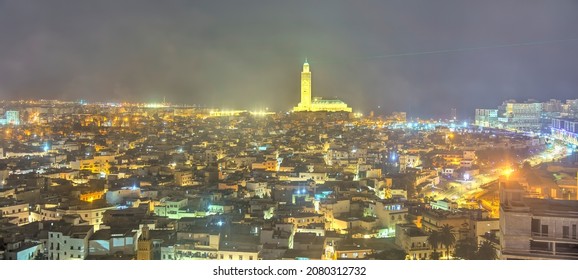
point(447, 237)
point(486, 251)
point(466, 249)
point(434, 239)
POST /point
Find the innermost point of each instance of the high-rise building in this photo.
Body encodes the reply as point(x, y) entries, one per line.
point(524, 116)
point(570, 108)
point(454, 114)
point(516, 116)
point(553, 105)
point(486, 117)
point(316, 104)
point(528, 116)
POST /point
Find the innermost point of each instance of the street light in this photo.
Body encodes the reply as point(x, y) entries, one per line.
point(508, 172)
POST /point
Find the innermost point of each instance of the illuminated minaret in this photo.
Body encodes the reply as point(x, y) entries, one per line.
point(305, 88)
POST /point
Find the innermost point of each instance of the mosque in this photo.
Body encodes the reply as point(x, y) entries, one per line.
point(317, 104)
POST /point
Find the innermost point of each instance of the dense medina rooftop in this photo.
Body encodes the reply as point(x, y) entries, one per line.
point(142, 181)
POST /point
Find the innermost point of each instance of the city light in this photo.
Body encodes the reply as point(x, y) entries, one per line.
point(264, 154)
point(507, 172)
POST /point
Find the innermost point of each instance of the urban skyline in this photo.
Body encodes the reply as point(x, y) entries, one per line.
point(150, 181)
point(223, 131)
point(417, 57)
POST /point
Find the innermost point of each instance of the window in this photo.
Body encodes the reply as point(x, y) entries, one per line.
point(536, 225)
point(71, 247)
point(544, 230)
point(250, 258)
point(230, 257)
point(573, 231)
point(240, 257)
point(565, 232)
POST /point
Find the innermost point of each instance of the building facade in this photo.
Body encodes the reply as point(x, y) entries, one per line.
point(69, 242)
point(565, 130)
point(537, 229)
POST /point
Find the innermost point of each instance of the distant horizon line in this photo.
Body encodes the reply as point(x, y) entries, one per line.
point(377, 111)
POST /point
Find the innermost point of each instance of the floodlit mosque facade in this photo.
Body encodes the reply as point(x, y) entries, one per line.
point(317, 104)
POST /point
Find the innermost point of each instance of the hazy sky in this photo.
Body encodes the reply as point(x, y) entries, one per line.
point(248, 54)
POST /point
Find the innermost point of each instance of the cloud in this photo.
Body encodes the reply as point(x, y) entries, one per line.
point(248, 54)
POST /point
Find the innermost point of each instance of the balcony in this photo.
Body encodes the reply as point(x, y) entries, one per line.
point(554, 237)
point(420, 249)
point(195, 255)
point(541, 254)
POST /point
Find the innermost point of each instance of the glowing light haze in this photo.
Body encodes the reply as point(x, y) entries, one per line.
point(248, 54)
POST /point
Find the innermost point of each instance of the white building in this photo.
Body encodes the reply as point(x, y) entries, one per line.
point(170, 206)
point(409, 161)
point(413, 241)
point(69, 242)
point(280, 235)
point(16, 211)
point(116, 197)
point(91, 215)
point(109, 241)
point(258, 189)
point(389, 213)
point(24, 251)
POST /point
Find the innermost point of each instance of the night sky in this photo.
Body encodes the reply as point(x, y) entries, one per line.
point(248, 54)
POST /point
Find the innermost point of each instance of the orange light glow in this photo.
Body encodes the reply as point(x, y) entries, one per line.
point(508, 172)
